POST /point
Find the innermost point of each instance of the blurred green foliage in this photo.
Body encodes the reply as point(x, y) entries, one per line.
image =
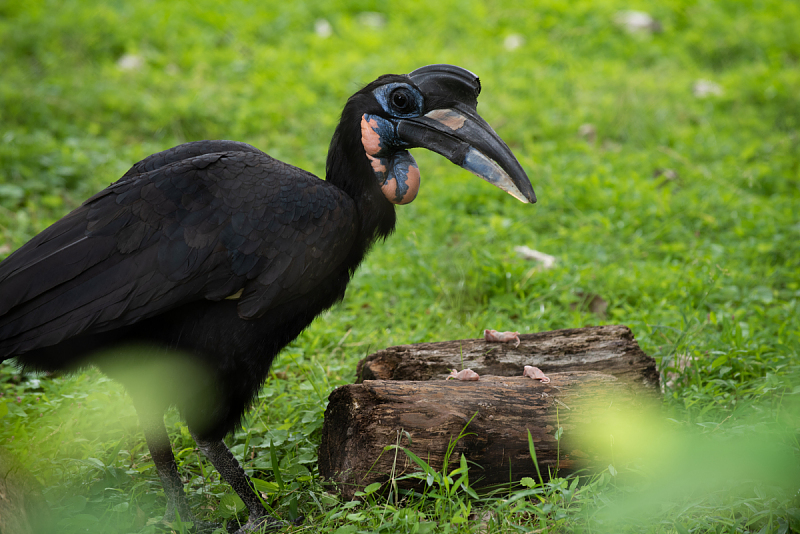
point(679, 211)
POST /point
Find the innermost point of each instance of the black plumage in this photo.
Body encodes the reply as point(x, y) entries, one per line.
point(222, 254)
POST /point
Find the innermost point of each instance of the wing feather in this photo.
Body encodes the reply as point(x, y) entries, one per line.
point(200, 221)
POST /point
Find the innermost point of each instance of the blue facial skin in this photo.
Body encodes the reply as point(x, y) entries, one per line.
point(401, 163)
point(397, 161)
point(383, 93)
point(389, 140)
point(383, 177)
point(398, 166)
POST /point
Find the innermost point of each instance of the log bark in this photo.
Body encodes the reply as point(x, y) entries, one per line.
point(362, 419)
point(608, 349)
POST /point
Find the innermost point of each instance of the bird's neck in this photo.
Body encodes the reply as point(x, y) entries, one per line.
point(348, 168)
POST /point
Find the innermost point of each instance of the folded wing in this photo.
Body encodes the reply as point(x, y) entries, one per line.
point(205, 220)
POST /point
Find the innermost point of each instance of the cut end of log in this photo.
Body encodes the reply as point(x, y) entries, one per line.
point(363, 420)
point(404, 399)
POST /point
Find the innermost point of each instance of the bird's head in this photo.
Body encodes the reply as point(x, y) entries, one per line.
point(433, 107)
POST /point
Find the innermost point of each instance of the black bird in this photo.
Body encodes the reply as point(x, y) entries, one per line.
point(212, 256)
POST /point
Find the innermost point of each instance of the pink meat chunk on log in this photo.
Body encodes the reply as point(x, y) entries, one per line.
point(466, 374)
point(493, 336)
point(535, 373)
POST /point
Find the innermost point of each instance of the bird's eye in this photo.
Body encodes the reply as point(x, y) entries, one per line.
point(401, 101)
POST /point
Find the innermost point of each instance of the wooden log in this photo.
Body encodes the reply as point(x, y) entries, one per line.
point(608, 349)
point(362, 419)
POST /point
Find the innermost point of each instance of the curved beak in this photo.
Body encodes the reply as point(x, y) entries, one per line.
point(462, 136)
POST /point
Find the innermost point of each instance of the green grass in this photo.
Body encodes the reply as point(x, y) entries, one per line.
point(704, 265)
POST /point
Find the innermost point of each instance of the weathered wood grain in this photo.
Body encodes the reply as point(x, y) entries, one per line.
point(609, 349)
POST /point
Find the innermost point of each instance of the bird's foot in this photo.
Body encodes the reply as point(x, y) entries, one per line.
point(187, 518)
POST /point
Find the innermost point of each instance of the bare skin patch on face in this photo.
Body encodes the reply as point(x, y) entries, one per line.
point(402, 183)
point(378, 166)
point(370, 137)
point(448, 117)
point(395, 169)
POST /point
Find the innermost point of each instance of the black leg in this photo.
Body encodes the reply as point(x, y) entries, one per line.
point(161, 450)
point(223, 461)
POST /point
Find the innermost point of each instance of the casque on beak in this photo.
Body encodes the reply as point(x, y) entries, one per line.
point(452, 127)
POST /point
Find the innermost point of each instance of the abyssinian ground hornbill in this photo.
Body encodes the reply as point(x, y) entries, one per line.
point(187, 276)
